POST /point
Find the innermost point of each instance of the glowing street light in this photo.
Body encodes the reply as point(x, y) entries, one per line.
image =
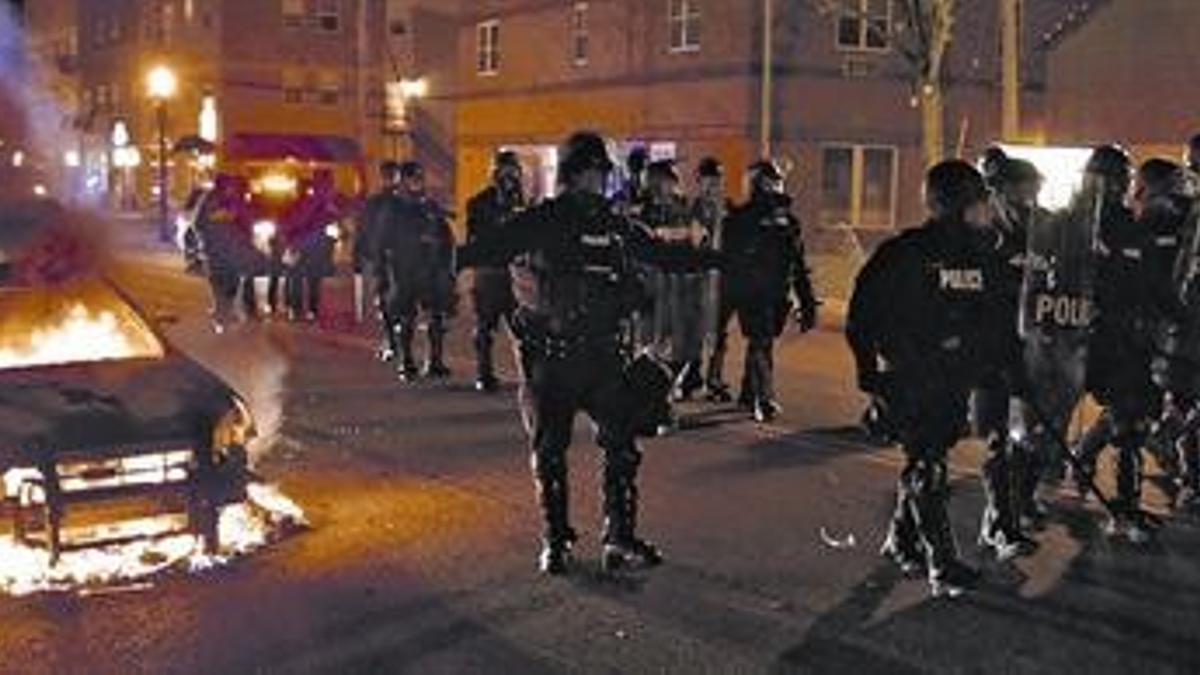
point(411, 89)
point(161, 85)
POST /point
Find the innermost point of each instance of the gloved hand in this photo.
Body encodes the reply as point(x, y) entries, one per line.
point(871, 382)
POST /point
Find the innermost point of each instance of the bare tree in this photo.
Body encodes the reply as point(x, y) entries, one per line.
point(921, 35)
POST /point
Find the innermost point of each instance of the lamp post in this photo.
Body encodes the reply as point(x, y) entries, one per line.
point(161, 85)
point(768, 74)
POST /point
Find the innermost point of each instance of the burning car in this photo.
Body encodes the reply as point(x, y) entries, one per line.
point(98, 411)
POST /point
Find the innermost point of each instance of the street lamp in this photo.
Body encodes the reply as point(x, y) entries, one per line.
point(161, 85)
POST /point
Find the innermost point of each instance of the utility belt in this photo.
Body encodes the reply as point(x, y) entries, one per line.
point(546, 344)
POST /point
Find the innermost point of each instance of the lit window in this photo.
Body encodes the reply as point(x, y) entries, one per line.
point(293, 86)
point(329, 87)
point(579, 34)
point(864, 24)
point(293, 13)
point(683, 18)
point(488, 48)
point(858, 186)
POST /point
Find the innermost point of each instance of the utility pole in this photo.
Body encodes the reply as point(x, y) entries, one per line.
point(768, 67)
point(1010, 26)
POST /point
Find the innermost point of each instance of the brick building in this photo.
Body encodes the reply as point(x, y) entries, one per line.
point(289, 67)
point(684, 77)
point(1128, 73)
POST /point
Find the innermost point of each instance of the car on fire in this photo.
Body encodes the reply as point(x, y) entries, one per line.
point(96, 408)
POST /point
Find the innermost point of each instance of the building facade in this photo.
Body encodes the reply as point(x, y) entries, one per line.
point(685, 78)
point(312, 68)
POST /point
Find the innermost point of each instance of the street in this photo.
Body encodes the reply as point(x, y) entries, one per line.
point(424, 534)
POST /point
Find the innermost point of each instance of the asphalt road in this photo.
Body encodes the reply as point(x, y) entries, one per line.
point(421, 555)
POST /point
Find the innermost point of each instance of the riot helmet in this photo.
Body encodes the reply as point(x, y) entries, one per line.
point(953, 190)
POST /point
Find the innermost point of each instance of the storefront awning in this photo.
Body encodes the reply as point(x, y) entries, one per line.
point(302, 148)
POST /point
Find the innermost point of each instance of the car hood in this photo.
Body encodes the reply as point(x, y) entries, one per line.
point(107, 403)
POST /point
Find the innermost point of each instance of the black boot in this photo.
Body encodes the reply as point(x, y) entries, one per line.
point(622, 547)
point(550, 479)
point(902, 545)
point(948, 576)
point(999, 529)
point(436, 367)
point(485, 378)
point(1129, 521)
point(715, 388)
point(1094, 440)
point(407, 368)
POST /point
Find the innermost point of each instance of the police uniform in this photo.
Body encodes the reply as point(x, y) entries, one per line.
point(377, 221)
point(765, 263)
point(419, 254)
point(926, 318)
point(488, 214)
point(575, 285)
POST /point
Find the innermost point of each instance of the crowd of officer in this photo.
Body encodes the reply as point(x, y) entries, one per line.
point(999, 312)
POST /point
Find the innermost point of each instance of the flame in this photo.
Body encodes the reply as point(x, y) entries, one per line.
point(80, 335)
point(244, 528)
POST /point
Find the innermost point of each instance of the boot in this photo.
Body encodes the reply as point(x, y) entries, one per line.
point(948, 576)
point(485, 378)
point(436, 367)
point(716, 390)
point(622, 547)
point(902, 545)
point(1129, 522)
point(1094, 440)
point(407, 368)
point(550, 479)
point(999, 529)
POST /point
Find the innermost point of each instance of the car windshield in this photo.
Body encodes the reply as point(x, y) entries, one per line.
point(77, 323)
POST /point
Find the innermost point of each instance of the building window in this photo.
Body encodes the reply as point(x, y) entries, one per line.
point(579, 34)
point(683, 18)
point(488, 48)
point(329, 87)
point(293, 13)
point(864, 24)
point(858, 186)
point(293, 86)
point(327, 15)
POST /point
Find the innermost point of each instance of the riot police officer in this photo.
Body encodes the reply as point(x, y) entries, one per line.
point(377, 220)
point(1014, 186)
point(488, 213)
point(419, 253)
point(1119, 351)
point(574, 284)
point(710, 208)
point(765, 264)
point(921, 370)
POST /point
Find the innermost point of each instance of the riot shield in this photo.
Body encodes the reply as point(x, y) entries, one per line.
point(1057, 308)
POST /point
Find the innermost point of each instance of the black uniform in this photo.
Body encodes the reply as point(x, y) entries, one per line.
point(1003, 470)
point(927, 316)
point(488, 214)
point(378, 220)
point(1119, 351)
point(765, 263)
point(419, 253)
point(575, 287)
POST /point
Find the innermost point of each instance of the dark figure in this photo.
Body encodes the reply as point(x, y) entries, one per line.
point(312, 235)
point(673, 326)
point(632, 192)
point(765, 264)
point(575, 286)
point(921, 371)
point(1014, 186)
point(419, 252)
point(710, 208)
point(378, 220)
point(488, 215)
point(221, 227)
point(1119, 350)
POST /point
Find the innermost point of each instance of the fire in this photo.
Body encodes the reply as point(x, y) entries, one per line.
point(265, 518)
point(78, 335)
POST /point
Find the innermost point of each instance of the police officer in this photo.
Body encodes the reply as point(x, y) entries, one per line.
point(1014, 185)
point(945, 273)
point(377, 220)
point(573, 284)
point(710, 208)
point(222, 227)
point(675, 326)
point(1119, 351)
point(419, 253)
point(765, 263)
point(488, 214)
